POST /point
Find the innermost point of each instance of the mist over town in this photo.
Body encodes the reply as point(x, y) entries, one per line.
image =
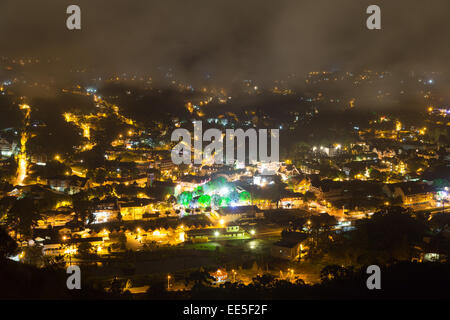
point(88, 180)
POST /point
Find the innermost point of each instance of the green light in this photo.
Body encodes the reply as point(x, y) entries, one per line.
point(185, 198)
point(225, 201)
point(244, 196)
point(204, 200)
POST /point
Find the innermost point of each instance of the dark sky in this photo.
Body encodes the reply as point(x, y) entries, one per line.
point(229, 37)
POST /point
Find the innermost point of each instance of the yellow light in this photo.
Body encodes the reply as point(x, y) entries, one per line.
point(222, 222)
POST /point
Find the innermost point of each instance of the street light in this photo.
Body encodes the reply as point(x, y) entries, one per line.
point(234, 275)
point(291, 272)
point(168, 282)
point(69, 250)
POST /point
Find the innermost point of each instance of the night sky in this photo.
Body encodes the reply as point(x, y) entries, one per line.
point(233, 37)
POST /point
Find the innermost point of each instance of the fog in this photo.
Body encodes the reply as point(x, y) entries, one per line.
point(230, 39)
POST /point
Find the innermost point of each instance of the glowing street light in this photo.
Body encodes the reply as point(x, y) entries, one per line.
point(168, 281)
point(291, 273)
point(234, 275)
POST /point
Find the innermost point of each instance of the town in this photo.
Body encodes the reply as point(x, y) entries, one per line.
point(224, 155)
point(93, 184)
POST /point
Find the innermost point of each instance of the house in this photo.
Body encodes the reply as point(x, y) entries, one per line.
point(141, 180)
point(231, 214)
point(70, 246)
point(7, 149)
point(35, 191)
point(39, 159)
point(136, 208)
point(287, 171)
point(309, 169)
point(294, 201)
point(217, 234)
point(105, 210)
point(55, 218)
point(286, 250)
point(330, 190)
point(411, 193)
point(68, 184)
point(190, 183)
point(433, 249)
point(292, 246)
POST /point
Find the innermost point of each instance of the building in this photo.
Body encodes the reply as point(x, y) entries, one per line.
point(55, 218)
point(140, 180)
point(57, 247)
point(294, 201)
point(330, 190)
point(218, 234)
point(292, 246)
point(411, 193)
point(231, 214)
point(190, 183)
point(68, 184)
point(105, 210)
point(7, 149)
point(136, 208)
